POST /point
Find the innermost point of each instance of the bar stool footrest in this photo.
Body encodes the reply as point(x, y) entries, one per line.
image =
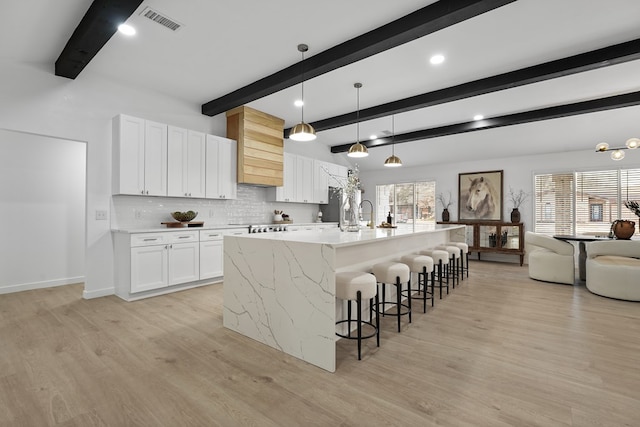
point(355, 337)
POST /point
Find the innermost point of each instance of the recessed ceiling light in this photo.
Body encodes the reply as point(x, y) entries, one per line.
point(372, 137)
point(437, 59)
point(126, 29)
point(478, 117)
point(298, 103)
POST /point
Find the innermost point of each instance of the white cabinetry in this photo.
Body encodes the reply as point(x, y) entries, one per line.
point(212, 251)
point(186, 163)
point(321, 182)
point(139, 156)
point(221, 167)
point(211, 254)
point(299, 179)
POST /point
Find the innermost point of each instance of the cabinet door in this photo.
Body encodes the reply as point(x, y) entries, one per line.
point(184, 262)
point(304, 180)
point(177, 159)
point(149, 268)
point(227, 168)
point(196, 164)
point(128, 155)
point(287, 193)
point(321, 182)
point(211, 259)
point(155, 159)
point(221, 167)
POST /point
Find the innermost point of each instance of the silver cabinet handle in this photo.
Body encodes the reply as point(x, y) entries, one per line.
point(151, 240)
point(184, 237)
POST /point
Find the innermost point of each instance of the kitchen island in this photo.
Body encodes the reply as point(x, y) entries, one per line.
point(279, 288)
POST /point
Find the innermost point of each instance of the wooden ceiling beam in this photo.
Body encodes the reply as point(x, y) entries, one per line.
point(94, 31)
point(555, 112)
point(420, 23)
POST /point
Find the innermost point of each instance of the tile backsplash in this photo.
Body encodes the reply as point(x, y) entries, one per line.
point(251, 207)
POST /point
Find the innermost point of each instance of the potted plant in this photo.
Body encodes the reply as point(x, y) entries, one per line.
point(445, 202)
point(517, 198)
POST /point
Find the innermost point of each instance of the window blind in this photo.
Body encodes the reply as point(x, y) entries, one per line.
point(553, 203)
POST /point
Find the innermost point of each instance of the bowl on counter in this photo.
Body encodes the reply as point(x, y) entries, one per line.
point(184, 216)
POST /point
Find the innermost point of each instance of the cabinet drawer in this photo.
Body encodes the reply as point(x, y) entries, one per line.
point(183, 236)
point(148, 239)
point(236, 231)
point(208, 235)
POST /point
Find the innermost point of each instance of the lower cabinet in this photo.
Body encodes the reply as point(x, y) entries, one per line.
point(149, 264)
point(159, 260)
point(211, 254)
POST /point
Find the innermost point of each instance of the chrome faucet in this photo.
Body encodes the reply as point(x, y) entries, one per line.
point(371, 224)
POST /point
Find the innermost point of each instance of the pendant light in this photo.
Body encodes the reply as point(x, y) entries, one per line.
point(393, 161)
point(357, 149)
point(302, 131)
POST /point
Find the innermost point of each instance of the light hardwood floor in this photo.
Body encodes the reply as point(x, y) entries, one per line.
point(500, 350)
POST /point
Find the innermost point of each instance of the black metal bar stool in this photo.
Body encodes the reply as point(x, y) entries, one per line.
point(441, 265)
point(358, 286)
point(464, 257)
point(454, 260)
point(423, 266)
point(394, 273)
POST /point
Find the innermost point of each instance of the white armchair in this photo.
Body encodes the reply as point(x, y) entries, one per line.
point(550, 260)
point(613, 269)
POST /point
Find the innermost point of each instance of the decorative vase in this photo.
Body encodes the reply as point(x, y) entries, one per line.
point(515, 215)
point(445, 215)
point(623, 229)
point(277, 218)
point(349, 218)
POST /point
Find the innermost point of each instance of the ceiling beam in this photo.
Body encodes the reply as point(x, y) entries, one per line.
point(420, 23)
point(94, 31)
point(611, 55)
point(555, 112)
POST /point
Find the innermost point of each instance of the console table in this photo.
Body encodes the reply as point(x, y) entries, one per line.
point(494, 236)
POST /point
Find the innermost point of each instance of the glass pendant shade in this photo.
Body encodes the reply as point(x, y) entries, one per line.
point(617, 155)
point(603, 146)
point(357, 149)
point(302, 131)
point(633, 143)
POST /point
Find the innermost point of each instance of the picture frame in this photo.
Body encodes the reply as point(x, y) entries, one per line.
point(480, 196)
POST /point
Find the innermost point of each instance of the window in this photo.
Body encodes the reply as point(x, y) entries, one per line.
point(584, 202)
point(595, 210)
point(412, 205)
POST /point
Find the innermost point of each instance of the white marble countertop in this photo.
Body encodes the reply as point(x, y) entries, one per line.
point(335, 237)
point(209, 227)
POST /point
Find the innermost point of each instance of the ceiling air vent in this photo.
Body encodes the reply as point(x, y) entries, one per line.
point(161, 19)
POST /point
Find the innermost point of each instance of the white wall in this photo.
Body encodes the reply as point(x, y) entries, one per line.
point(35, 100)
point(42, 208)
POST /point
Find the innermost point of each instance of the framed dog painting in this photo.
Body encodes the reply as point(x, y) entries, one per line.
point(480, 196)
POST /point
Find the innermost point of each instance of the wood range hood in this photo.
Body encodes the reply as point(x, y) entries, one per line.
point(260, 146)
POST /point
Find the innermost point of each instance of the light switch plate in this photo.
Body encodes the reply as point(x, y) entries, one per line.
point(101, 215)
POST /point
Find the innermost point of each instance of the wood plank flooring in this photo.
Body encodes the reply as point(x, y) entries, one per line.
point(499, 350)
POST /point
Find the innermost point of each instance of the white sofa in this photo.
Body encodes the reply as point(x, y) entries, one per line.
point(613, 269)
point(550, 260)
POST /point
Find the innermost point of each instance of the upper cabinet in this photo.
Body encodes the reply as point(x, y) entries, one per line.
point(221, 181)
point(139, 156)
point(307, 180)
point(186, 163)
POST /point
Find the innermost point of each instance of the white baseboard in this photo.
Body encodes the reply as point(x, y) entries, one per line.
point(98, 293)
point(7, 289)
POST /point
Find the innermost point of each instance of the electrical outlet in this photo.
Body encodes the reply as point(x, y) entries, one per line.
point(211, 213)
point(101, 215)
point(138, 214)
